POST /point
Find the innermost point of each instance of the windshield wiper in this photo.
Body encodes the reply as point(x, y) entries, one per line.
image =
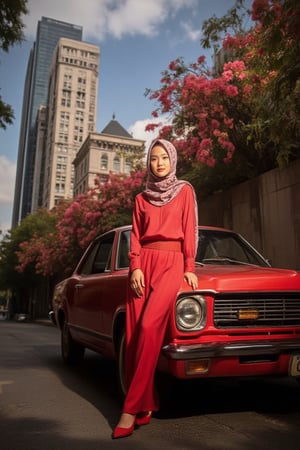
point(224, 259)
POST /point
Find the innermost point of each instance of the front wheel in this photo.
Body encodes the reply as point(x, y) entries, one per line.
point(71, 351)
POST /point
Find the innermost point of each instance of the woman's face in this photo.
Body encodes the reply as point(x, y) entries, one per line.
point(159, 161)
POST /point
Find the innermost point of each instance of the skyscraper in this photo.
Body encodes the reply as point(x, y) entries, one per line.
point(49, 31)
point(71, 116)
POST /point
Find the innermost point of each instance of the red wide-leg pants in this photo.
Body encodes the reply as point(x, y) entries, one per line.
point(146, 321)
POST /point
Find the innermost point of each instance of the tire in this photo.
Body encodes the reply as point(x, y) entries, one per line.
point(164, 383)
point(121, 364)
point(71, 351)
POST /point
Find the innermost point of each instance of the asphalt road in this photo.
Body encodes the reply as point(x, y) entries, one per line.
point(45, 405)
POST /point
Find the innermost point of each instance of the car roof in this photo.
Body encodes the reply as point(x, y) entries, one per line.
point(201, 227)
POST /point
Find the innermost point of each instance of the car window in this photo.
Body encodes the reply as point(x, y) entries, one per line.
point(123, 249)
point(226, 246)
point(215, 245)
point(98, 259)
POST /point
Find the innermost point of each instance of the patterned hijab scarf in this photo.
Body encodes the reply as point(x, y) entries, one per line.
point(160, 191)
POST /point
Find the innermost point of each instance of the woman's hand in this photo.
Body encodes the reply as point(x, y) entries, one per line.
point(137, 282)
point(191, 279)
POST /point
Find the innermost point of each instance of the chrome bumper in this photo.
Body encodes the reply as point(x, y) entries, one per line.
point(217, 350)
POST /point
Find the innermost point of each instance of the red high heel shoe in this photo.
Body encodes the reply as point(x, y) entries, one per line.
point(120, 432)
point(143, 419)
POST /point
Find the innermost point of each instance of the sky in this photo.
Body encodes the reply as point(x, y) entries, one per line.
point(137, 38)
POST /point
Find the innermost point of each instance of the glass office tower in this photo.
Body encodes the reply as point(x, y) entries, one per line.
point(49, 31)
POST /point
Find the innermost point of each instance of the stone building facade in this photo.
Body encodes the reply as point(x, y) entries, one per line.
point(112, 150)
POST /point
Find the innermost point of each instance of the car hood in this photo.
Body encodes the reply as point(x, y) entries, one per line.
point(246, 278)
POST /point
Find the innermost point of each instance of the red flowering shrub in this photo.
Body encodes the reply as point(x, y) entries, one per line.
point(78, 222)
point(244, 108)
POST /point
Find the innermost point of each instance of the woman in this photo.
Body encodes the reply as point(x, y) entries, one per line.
point(162, 254)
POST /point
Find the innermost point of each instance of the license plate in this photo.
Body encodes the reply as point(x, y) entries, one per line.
point(295, 366)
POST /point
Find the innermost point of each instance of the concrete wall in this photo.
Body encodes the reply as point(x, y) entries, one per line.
point(265, 210)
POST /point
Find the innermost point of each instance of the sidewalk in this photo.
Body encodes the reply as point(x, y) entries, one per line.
point(46, 322)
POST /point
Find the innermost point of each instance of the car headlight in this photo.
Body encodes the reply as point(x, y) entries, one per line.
point(191, 313)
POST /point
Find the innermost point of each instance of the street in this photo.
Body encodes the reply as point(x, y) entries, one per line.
point(47, 405)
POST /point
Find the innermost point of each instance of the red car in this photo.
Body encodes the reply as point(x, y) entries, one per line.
point(243, 320)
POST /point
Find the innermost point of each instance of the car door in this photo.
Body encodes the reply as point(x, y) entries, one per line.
point(91, 288)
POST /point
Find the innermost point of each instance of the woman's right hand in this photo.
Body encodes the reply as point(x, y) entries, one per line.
point(137, 282)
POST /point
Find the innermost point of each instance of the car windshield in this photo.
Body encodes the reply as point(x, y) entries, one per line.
point(223, 247)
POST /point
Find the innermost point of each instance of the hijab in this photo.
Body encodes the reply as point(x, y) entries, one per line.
point(160, 191)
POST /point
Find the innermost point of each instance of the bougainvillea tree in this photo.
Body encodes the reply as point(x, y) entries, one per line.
point(78, 222)
point(278, 51)
point(223, 117)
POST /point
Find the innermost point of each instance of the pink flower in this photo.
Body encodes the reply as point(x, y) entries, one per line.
point(227, 75)
point(201, 59)
point(232, 91)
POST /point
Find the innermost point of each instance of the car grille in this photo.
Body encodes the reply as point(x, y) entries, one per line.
point(281, 309)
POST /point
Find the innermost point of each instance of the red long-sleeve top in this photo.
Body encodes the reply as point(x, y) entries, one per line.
point(175, 221)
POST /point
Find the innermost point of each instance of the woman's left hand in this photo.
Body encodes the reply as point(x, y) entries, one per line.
point(191, 279)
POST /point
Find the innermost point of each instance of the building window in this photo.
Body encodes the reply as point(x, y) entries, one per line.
point(60, 178)
point(62, 159)
point(64, 127)
point(79, 115)
point(80, 95)
point(66, 93)
point(61, 168)
point(65, 102)
point(60, 188)
point(64, 117)
point(103, 179)
point(62, 148)
point(78, 133)
point(128, 166)
point(63, 137)
point(104, 162)
point(116, 164)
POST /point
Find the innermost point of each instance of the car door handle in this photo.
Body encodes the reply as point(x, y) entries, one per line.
point(79, 286)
